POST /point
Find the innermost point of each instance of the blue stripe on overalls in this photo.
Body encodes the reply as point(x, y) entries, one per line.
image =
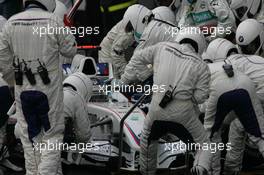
point(35, 107)
point(240, 102)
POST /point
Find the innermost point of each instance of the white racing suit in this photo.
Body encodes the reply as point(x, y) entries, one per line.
point(173, 65)
point(7, 73)
point(113, 48)
point(253, 67)
point(156, 31)
point(236, 94)
point(208, 14)
point(76, 108)
point(39, 107)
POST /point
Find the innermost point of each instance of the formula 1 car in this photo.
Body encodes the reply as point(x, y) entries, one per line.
point(117, 123)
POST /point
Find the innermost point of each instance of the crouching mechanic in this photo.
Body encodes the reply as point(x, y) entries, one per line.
point(217, 50)
point(186, 80)
point(38, 90)
point(232, 95)
point(253, 67)
point(77, 90)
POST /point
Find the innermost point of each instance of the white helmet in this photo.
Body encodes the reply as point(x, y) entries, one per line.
point(164, 13)
point(218, 50)
point(136, 19)
point(2, 22)
point(244, 9)
point(250, 37)
point(194, 37)
point(81, 84)
point(60, 9)
point(48, 5)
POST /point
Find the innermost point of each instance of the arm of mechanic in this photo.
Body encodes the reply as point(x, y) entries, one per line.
point(81, 121)
point(120, 44)
point(210, 108)
point(138, 63)
point(201, 93)
point(226, 18)
point(67, 43)
point(76, 109)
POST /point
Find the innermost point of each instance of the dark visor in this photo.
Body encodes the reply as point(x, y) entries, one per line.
point(129, 28)
point(251, 48)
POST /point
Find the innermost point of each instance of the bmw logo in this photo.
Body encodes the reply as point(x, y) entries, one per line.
point(241, 39)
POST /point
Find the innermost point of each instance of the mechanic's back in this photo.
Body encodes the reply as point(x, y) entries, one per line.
point(38, 75)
